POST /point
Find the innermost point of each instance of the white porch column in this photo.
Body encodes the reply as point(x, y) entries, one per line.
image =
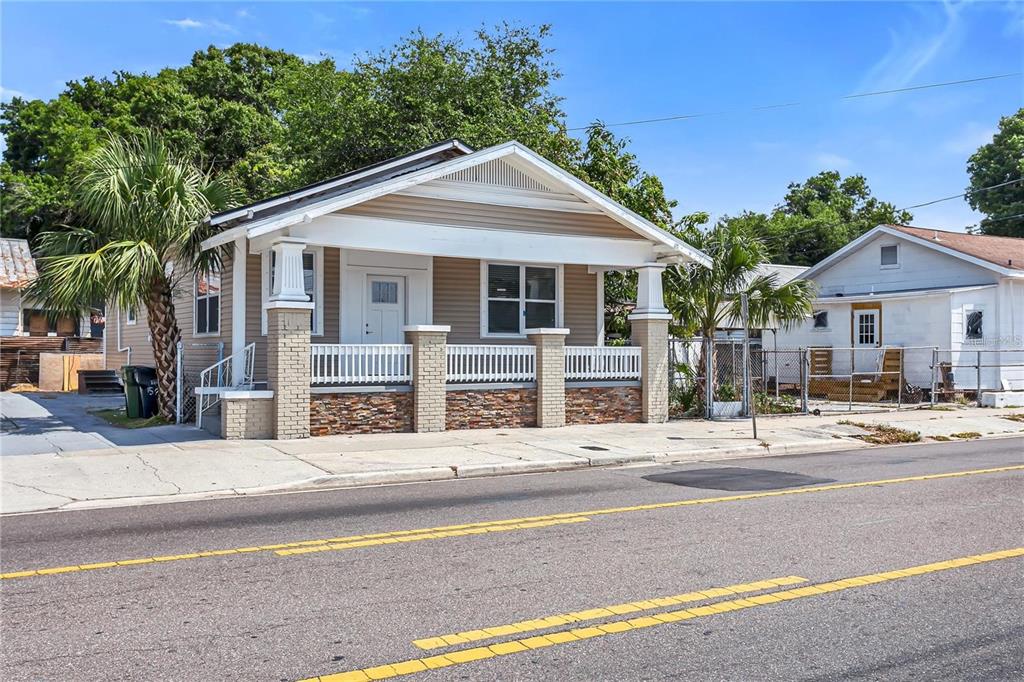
point(649, 322)
point(238, 291)
point(288, 319)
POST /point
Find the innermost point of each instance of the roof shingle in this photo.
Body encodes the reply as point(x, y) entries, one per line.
point(17, 267)
point(1007, 252)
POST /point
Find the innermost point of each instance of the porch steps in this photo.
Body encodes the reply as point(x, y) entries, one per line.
point(92, 381)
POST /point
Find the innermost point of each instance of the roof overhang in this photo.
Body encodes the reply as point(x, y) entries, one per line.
point(669, 248)
point(896, 295)
point(842, 253)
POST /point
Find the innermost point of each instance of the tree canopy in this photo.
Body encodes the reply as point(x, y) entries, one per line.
point(999, 161)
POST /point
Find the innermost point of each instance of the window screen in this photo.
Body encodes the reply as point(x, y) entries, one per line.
point(891, 255)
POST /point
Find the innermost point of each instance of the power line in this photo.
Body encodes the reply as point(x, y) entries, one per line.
point(785, 105)
point(968, 192)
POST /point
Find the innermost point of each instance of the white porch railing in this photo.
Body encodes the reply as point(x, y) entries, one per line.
point(341, 363)
point(219, 375)
point(491, 363)
point(589, 363)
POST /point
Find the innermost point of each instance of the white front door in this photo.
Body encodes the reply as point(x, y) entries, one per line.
point(867, 337)
point(385, 309)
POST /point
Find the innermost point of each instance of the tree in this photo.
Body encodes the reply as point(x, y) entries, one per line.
point(819, 216)
point(139, 222)
point(702, 300)
point(999, 161)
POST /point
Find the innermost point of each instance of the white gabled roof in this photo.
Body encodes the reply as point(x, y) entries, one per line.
point(895, 231)
point(525, 158)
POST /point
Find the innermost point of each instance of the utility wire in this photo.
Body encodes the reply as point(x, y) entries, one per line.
point(680, 117)
point(968, 192)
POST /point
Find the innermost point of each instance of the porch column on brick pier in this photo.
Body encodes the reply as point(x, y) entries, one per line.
point(649, 322)
point(550, 345)
point(289, 313)
point(429, 375)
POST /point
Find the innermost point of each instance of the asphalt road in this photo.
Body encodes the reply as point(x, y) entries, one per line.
point(277, 614)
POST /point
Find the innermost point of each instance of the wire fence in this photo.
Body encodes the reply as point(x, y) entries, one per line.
point(823, 380)
point(193, 358)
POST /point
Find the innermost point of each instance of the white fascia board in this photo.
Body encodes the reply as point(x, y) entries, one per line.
point(404, 236)
point(842, 253)
point(882, 296)
point(222, 238)
point(299, 194)
point(574, 185)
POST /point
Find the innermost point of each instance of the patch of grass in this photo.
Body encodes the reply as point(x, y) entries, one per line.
point(1015, 417)
point(117, 417)
point(966, 435)
point(941, 438)
point(884, 434)
point(939, 408)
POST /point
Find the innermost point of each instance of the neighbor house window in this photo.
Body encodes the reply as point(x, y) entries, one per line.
point(519, 297)
point(821, 319)
point(890, 256)
point(130, 316)
point(207, 303)
point(975, 325)
point(312, 278)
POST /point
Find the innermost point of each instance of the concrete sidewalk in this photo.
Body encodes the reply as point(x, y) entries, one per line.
point(168, 472)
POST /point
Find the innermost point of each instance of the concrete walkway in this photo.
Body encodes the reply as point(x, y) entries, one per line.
point(120, 475)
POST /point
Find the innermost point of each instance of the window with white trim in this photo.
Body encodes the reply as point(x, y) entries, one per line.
point(889, 255)
point(821, 319)
point(207, 303)
point(312, 278)
point(130, 316)
point(519, 297)
point(974, 324)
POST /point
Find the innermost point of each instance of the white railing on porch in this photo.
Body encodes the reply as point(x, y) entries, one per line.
point(590, 363)
point(491, 363)
point(365, 364)
point(219, 376)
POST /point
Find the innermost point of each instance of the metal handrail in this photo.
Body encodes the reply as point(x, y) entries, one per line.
point(224, 368)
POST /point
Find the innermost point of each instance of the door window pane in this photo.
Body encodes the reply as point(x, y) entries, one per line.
point(503, 281)
point(540, 315)
point(503, 317)
point(540, 284)
point(866, 329)
point(384, 292)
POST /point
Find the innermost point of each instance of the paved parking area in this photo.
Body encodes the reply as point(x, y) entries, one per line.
point(39, 423)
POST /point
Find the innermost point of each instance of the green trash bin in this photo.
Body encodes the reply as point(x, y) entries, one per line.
point(132, 395)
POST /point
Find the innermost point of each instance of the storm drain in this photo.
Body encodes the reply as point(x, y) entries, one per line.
point(736, 479)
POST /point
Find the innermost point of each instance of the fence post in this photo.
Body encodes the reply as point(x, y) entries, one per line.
point(179, 366)
point(899, 389)
point(805, 382)
point(934, 369)
point(709, 373)
point(977, 363)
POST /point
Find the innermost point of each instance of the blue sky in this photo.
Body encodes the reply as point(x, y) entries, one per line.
point(623, 62)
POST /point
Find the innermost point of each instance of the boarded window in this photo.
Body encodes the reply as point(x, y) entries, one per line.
point(890, 255)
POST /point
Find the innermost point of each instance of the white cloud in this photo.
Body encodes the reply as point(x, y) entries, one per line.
point(967, 141)
point(10, 93)
point(185, 23)
point(243, 13)
point(913, 47)
point(830, 161)
point(214, 25)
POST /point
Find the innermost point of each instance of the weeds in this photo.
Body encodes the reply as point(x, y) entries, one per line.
point(966, 435)
point(883, 434)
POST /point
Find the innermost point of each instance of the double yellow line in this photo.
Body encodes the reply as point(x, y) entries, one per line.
point(484, 527)
point(611, 627)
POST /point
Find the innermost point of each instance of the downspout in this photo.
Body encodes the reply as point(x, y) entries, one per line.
point(126, 349)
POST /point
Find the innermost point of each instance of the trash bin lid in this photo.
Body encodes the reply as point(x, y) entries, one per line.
point(144, 375)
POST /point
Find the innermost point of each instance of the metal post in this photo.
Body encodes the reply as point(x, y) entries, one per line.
point(977, 395)
point(747, 397)
point(805, 382)
point(709, 382)
point(178, 380)
point(935, 369)
point(899, 389)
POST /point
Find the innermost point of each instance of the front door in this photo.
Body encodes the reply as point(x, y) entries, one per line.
point(385, 309)
point(867, 338)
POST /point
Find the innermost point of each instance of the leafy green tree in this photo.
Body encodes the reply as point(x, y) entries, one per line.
point(999, 161)
point(141, 217)
point(818, 217)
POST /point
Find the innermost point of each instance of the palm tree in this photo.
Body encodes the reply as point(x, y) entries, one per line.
point(702, 300)
point(140, 219)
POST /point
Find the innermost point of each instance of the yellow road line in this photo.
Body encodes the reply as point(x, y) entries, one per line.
point(546, 622)
point(442, 531)
point(434, 535)
point(382, 672)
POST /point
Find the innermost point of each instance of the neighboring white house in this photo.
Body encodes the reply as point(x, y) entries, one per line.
point(917, 287)
point(17, 271)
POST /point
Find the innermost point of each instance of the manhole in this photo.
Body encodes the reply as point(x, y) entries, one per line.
point(736, 478)
point(596, 448)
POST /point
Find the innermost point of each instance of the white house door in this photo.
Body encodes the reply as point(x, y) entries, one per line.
point(867, 337)
point(385, 309)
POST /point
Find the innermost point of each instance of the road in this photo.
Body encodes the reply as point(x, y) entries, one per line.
point(622, 563)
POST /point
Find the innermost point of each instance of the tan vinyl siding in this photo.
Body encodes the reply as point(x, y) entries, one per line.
point(457, 302)
point(487, 216)
point(332, 293)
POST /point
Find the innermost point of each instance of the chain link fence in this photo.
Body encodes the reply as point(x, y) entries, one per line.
point(193, 358)
point(830, 380)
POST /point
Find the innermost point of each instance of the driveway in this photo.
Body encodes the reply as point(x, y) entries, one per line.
point(37, 423)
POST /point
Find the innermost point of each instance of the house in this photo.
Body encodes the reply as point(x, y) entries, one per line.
point(954, 297)
point(447, 288)
point(19, 316)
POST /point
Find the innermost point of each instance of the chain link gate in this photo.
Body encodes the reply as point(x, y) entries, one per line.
point(192, 359)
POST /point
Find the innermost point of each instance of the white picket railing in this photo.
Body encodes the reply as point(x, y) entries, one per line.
point(590, 363)
point(491, 363)
point(341, 363)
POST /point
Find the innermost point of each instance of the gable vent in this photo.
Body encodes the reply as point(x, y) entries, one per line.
point(499, 174)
